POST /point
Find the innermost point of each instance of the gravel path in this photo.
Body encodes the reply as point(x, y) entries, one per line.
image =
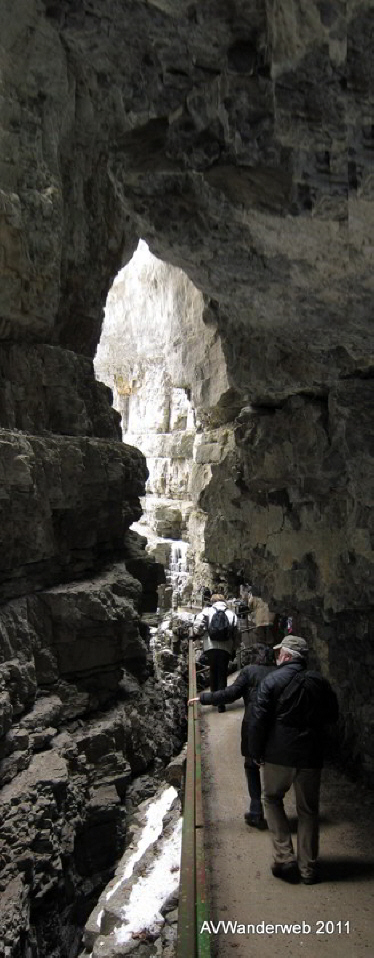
point(238, 861)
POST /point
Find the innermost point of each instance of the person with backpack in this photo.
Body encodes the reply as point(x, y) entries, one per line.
point(206, 597)
point(286, 734)
point(219, 627)
point(245, 686)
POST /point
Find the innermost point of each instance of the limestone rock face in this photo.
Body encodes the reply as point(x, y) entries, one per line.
point(237, 140)
point(169, 379)
point(81, 716)
point(46, 389)
point(93, 628)
point(157, 351)
point(293, 506)
point(298, 469)
point(77, 692)
point(65, 496)
point(240, 148)
point(63, 820)
point(247, 164)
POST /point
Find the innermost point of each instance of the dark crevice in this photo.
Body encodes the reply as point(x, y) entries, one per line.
point(359, 374)
point(270, 407)
point(173, 71)
point(212, 71)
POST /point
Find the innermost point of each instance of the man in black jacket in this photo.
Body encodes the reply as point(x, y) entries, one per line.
point(245, 686)
point(286, 735)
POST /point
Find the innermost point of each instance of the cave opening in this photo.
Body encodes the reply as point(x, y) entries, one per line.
point(152, 353)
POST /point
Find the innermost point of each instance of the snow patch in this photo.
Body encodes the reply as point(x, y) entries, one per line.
point(150, 833)
point(150, 892)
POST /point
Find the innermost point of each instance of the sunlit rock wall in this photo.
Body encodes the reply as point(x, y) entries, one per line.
point(156, 342)
point(167, 371)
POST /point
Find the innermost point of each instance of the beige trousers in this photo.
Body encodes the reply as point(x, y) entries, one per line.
point(277, 780)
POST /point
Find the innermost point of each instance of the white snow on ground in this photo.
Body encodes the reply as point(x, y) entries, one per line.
point(151, 831)
point(99, 917)
point(149, 893)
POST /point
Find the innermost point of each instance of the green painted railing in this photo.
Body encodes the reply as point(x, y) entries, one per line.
point(193, 906)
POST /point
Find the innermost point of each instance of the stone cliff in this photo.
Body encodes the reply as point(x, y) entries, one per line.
point(237, 140)
point(78, 693)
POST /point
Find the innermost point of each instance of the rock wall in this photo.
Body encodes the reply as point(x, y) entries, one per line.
point(260, 185)
point(44, 389)
point(293, 507)
point(78, 693)
point(237, 140)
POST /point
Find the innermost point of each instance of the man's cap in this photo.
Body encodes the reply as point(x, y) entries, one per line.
point(293, 643)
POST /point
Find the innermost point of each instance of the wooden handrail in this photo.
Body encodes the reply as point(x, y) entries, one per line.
point(193, 905)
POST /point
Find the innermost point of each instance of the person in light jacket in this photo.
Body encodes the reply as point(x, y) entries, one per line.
point(218, 651)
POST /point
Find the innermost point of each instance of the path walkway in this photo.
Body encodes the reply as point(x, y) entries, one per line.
point(242, 887)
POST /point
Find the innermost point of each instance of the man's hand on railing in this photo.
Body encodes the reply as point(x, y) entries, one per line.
point(191, 701)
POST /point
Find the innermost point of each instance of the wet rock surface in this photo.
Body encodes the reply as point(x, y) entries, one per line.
point(69, 795)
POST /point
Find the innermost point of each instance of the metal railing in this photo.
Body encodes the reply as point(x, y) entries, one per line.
point(193, 905)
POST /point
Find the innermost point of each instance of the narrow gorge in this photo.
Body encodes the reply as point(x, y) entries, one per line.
point(225, 152)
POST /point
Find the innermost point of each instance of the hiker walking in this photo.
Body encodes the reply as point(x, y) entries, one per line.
point(218, 626)
point(206, 597)
point(245, 686)
point(286, 733)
